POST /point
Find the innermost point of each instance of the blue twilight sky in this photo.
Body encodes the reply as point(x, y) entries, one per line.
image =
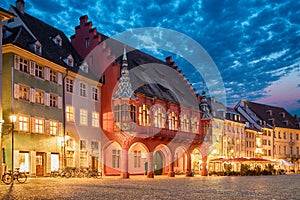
point(254, 44)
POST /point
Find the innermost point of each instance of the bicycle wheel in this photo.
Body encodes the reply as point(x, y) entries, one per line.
point(68, 174)
point(7, 179)
point(21, 177)
point(98, 175)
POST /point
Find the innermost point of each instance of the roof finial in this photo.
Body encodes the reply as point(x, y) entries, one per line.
point(124, 53)
point(203, 89)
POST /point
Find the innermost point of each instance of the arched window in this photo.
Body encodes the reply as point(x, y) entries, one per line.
point(195, 125)
point(159, 118)
point(144, 117)
point(124, 113)
point(173, 121)
point(185, 124)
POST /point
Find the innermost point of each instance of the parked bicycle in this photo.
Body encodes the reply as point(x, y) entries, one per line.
point(9, 176)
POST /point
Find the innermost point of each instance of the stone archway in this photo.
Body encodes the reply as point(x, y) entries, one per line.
point(162, 159)
point(196, 158)
point(138, 158)
point(112, 155)
point(180, 160)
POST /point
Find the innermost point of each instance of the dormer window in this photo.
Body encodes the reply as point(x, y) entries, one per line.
point(84, 67)
point(69, 61)
point(282, 114)
point(57, 40)
point(38, 47)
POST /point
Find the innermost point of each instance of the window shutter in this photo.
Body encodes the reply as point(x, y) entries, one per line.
point(16, 125)
point(32, 67)
point(16, 91)
point(17, 62)
point(60, 129)
point(32, 95)
point(47, 99)
point(59, 78)
point(47, 126)
point(47, 73)
point(32, 125)
point(59, 102)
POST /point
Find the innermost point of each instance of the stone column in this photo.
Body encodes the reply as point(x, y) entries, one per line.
point(188, 164)
point(171, 169)
point(150, 165)
point(204, 163)
point(124, 170)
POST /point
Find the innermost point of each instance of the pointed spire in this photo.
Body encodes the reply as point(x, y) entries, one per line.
point(204, 104)
point(124, 54)
point(124, 88)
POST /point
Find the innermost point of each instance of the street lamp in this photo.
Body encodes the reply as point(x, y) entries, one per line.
point(12, 119)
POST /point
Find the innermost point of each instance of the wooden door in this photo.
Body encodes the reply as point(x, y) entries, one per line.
point(40, 164)
point(95, 162)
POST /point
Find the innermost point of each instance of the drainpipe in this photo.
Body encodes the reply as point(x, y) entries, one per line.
point(64, 119)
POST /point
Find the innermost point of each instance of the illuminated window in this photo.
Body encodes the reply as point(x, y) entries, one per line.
point(95, 94)
point(38, 125)
point(24, 93)
point(82, 89)
point(195, 125)
point(137, 159)
point(24, 161)
point(159, 118)
point(53, 128)
point(23, 123)
point(69, 85)
point(116, 158)
point(144, 116)
point(173, 121)
point(83, 117)
point(185, 124)
point(39, 97)
point(82, 145)
point(95, 119)
point(69, 113)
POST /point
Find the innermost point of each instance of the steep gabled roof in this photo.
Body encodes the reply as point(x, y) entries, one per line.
point(44, 33)
point(37, 30)
point(153, 77)
point(272, 115)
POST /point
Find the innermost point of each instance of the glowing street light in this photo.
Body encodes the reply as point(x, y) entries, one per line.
point(12, 119)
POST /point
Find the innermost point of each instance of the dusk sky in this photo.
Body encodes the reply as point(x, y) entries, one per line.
point(254, 44)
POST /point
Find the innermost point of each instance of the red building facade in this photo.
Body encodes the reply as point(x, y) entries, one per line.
point(151, 117)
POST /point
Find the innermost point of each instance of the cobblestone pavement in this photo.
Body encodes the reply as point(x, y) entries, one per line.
point(161, 187)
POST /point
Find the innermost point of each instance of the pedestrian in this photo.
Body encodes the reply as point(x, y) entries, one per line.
point(146, 168)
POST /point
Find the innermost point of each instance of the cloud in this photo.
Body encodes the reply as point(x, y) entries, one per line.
point(253, 44)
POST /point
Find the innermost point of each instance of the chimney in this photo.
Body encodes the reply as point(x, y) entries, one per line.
point(83, 20)
point(20, 4)
point(168, 60)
